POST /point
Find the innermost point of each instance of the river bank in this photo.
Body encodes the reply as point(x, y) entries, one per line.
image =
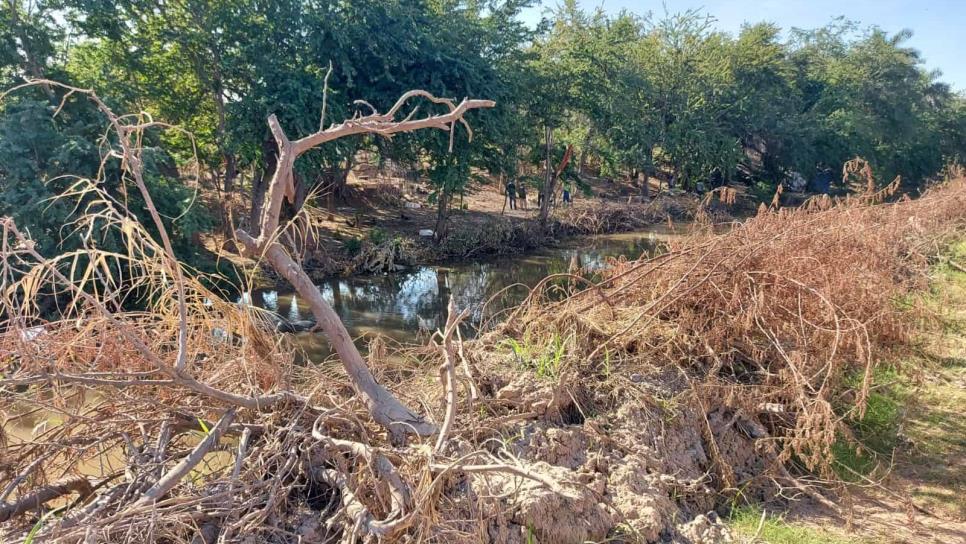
point(388, 226)
point(731, 369)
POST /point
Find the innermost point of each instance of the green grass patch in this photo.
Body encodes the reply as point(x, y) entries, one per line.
point(776, 530)
point(545, 361)
point(876, 433)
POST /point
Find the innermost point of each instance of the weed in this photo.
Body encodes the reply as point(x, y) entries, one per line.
point(544, 361)
point(377, 236)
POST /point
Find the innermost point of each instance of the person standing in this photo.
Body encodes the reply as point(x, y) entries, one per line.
point(522, 194)
point(511, 193)
point(566, 195)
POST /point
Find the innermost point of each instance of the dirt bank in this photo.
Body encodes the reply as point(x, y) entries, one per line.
point(388, 223)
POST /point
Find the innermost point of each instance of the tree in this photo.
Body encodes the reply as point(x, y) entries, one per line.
point(384, 408)
point(42, 155)
point(870, 97)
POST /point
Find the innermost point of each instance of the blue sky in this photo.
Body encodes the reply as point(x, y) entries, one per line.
point(938, 26)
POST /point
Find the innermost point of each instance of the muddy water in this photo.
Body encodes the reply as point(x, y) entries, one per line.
point(408, 304)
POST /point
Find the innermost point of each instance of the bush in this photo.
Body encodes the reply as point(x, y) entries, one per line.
point(352, 246)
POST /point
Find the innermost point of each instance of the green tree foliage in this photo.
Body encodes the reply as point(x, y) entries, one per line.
point(673, 94)
point(668, 95)
point(48, 141)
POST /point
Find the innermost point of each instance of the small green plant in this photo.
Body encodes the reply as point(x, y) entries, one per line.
point(377, 236)
point(544, 361)
point(519, 350)
point(352, 246)
point(40, 524)
point(762, 191)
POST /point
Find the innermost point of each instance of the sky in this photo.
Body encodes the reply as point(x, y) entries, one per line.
point(937, 25)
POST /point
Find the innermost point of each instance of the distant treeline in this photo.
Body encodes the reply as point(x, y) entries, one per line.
point(665, 95)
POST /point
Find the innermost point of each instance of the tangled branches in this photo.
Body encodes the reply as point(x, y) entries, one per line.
point(771, 319)
point(185, 418)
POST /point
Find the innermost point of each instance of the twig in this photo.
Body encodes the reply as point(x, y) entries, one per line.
point(519, 471)
point(36, 498)
point(171, 479)
point(448, 372)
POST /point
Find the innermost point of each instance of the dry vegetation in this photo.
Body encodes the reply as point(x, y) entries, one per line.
point(715, 372)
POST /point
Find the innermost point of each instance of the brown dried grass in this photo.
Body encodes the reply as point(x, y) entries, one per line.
point(770, 318)
point(767, 320)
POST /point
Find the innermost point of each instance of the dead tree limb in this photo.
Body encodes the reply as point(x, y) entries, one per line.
point(385, 408)
point(176, 474)
point(36, 498)
point(400, 495)
point(448, 371)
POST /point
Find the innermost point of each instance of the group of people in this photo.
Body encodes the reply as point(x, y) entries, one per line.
point(514, 192)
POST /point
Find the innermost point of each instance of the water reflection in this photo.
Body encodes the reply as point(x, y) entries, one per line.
point(403, 304)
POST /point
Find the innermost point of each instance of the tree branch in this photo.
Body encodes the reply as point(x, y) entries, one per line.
point(176, 474)
point(382, 405)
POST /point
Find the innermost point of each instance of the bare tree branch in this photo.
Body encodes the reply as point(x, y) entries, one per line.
point(448, 371)
point(36, 498)
point(382, 405)
point(176, 474)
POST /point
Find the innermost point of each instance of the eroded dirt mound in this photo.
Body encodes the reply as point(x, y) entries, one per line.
point(626, 470)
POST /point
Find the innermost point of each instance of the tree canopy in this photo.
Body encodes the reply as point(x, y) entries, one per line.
point(668, 95)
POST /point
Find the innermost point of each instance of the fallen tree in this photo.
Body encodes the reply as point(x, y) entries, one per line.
point(182, 306)
point(631, 411)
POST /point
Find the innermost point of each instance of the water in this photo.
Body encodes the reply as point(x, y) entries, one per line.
point(408, 305)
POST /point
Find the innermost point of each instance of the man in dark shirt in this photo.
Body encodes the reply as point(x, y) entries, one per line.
point(511, 193)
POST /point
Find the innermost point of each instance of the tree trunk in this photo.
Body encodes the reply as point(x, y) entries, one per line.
point(585, 151)
point(339, 179)
point(382, 405)
point(218, 93)
point(260, 185)
point(337, 300)
point(548, 184)
point(231, 172)
point(442, 214)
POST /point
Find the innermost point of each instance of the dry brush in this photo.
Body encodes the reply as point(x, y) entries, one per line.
point(629, 410)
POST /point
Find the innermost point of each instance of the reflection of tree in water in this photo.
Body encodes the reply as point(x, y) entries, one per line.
point(418, 299)
point(401, 304)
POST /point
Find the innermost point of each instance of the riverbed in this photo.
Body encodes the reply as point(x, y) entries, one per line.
point(408, 305)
